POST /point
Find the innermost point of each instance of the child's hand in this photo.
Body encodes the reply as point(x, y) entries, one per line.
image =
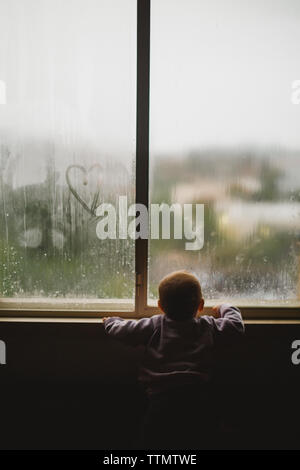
point(103, 319)
point(216, 311)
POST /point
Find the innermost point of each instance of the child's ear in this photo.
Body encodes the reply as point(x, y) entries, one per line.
point(159, 306)
point(201, 305)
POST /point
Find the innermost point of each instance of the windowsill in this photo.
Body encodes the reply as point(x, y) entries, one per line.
point(91, 310)
point(85, 320)
point(61, 309)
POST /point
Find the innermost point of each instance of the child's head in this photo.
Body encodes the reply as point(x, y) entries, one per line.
point(180, 295)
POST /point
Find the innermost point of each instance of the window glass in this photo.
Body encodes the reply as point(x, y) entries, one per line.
point(224, 132)
point(67, 143)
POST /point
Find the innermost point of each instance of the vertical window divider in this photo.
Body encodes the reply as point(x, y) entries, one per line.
point(142, 147)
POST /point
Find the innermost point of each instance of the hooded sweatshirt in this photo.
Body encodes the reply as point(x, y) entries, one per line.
point(177, 353)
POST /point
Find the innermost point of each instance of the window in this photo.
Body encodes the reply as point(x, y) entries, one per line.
point(225, 133)
point(79, 127)
point(67, 138)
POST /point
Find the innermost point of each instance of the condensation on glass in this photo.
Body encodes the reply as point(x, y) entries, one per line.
point(224, 132)
point(67, 143)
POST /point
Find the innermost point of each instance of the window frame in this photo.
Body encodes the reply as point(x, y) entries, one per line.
point(94, 308)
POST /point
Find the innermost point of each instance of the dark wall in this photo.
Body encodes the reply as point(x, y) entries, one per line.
point(68, 386)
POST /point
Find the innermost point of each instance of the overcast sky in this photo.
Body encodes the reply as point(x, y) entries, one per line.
point(221, 72)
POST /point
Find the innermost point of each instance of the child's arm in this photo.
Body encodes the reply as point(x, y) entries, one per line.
point(132, 332)
point(229, 319)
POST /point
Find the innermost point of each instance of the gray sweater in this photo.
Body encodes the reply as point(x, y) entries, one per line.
point(176, 352)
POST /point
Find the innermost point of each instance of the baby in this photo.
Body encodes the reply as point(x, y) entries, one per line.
point(178, 359)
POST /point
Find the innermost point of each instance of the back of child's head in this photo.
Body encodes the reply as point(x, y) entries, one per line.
point(180, 295)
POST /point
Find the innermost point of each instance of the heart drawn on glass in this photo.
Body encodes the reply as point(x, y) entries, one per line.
point(90, 208)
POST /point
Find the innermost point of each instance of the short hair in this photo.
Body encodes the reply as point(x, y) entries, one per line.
point(180, 295)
